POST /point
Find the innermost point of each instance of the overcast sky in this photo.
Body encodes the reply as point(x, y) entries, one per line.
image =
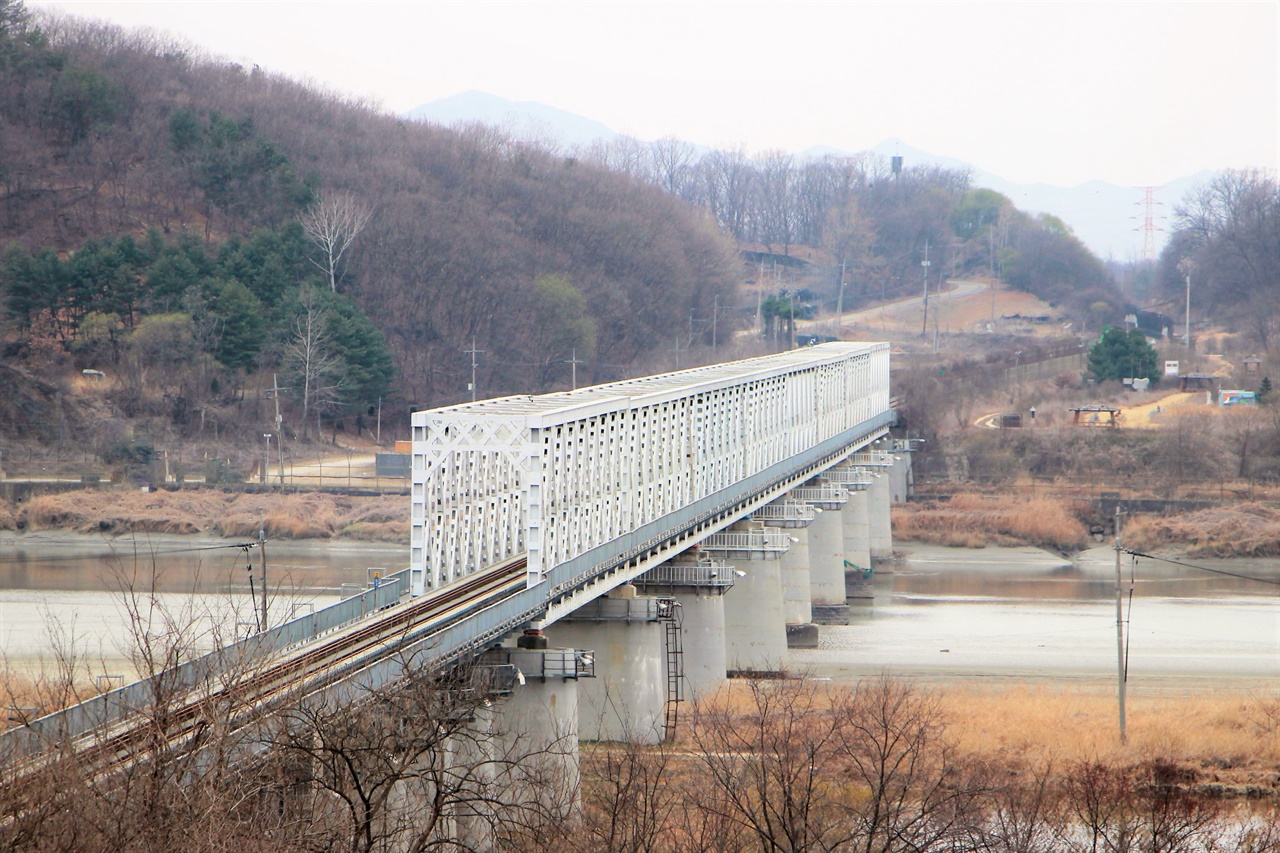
point(1135, 93)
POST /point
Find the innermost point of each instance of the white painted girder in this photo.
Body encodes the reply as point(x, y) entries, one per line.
point(559, 474)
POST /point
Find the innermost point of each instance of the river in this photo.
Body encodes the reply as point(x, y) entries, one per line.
point(986, 614)
point(1022, 614)
point(95, 595)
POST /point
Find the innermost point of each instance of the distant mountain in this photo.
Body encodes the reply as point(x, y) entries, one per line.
point(525, 119)
point(1107, 218)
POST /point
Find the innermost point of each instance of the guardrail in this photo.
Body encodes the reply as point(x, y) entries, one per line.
point(434, 646)
point(872, 458)
point(785, 511)
point(765, 539)
point(850, 478)
point(825, 493)
point(709, 574)
point(114, 705)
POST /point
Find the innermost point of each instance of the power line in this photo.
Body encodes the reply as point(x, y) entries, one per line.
point(1270, 581)
point(57, 558)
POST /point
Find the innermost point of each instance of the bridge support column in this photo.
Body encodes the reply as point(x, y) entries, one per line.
point(826, 569)
point(793, 517)
point(698, 585)
point(857, 545)
point(755, 623)
point(797, 601)
point(879, 504)
point(826, 550)
point(627, 699)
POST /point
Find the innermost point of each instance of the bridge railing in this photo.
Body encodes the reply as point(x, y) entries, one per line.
point(767, 539)
point(824, 493)
point(785, 511)
point(710, 574)
point(850, 478)
point(240, 656)
point(872, 458)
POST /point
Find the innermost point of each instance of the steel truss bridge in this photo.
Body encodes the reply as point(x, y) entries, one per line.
point(524, 508)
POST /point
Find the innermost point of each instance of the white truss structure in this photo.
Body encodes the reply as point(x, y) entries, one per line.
point(556, 475)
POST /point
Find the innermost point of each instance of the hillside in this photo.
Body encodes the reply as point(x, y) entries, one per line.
point(142, 180)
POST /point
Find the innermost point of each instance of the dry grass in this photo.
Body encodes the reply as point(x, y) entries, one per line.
point(1242, 530)
point(310, 515)
point(974, 521)
point(1226, 738)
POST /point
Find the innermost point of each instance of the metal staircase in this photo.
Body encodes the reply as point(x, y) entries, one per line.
point(672, 617)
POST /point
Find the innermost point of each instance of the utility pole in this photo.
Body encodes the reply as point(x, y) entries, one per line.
point(924, 324)
point(715, 313)
point(1120, 667)
point(1186, 337)
point(574, 361)
point(262, 543)
point(275, 395)
point(840, 301)
point(473, 352)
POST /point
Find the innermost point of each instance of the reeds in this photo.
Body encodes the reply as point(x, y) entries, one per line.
point(1241, 530)
point(291, 516)
point(974, 521)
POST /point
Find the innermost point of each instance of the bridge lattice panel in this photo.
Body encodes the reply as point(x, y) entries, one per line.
point(559, 474)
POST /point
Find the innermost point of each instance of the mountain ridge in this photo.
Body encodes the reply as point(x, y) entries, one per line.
point(1108, 218)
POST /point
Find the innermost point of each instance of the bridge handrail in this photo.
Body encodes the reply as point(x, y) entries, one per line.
point(714, 575)
point(825, 493)
point(849, 476)
point(872, 458)
point(768, 539)
point(112, 706)
point(785, 511)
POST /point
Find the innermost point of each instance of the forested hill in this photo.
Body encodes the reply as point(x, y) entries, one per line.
point(153, 205)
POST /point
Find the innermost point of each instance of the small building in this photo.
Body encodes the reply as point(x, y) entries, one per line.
point(1199, 382)
point(1096, 415)
point(1237, 398)
point(1252, 365)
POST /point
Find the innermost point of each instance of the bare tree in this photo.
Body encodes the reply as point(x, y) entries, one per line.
point(309, 357)
point(333, 222)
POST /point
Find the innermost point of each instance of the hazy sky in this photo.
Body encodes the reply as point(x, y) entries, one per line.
point(1136, 93)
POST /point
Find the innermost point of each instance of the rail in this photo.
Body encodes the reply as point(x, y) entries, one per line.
point(322, 648)
point(111, 707)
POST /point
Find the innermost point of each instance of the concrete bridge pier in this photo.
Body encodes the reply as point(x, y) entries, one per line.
point(794, 518)
point(698, 583)
point(627, 699)
point(826, 552)
point(755, 623)
point(517, 749)
point(857, 545)
point(879, 519)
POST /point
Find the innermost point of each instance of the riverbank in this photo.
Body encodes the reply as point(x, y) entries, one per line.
point(212, 512)
point(1245, 529)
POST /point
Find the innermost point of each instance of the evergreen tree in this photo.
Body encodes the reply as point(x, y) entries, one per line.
point(1120, 354)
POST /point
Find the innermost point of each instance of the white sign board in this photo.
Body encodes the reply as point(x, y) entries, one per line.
point(1171, 368)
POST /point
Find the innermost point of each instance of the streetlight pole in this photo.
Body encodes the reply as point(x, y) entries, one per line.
point(1120, 667)
point(924, 324)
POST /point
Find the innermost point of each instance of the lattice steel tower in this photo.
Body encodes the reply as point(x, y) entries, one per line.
point(1149, 227)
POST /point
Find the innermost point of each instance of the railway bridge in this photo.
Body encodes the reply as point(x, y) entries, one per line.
point(612, 550)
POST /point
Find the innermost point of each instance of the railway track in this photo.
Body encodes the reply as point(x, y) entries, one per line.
point(293, 673)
